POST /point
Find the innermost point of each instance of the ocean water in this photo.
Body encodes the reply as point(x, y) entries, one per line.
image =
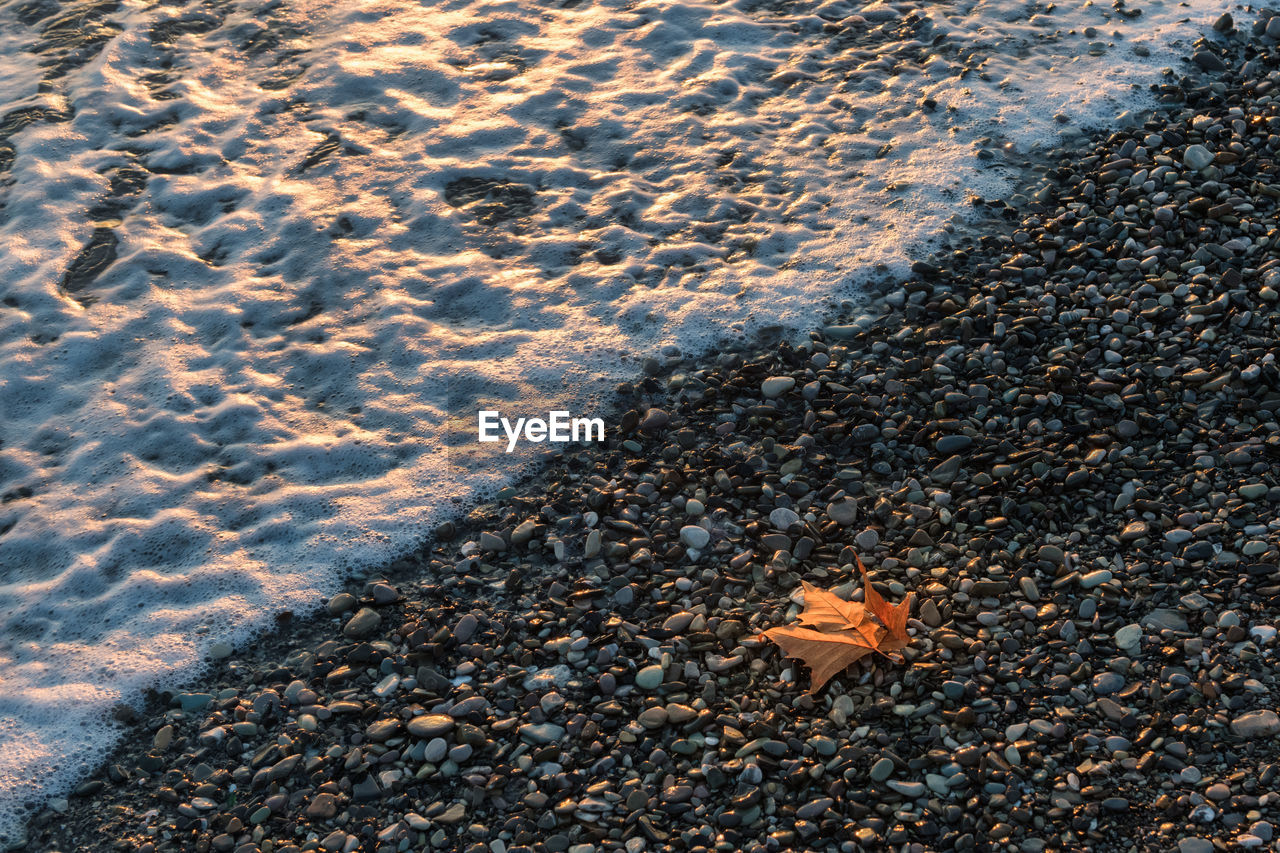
point(261, 264)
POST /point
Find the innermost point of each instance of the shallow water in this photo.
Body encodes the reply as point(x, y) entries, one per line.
point(262, 263)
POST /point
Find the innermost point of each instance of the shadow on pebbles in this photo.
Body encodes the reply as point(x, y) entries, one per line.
point(1063, 439)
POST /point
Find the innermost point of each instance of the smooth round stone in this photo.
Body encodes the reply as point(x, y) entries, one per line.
point(1116, 743)
point(949, 444)
point(1106, 683)
point(843, 512)
point(437, 748)
point(782, 518)
point(1217, 792)
point(824, 746)
point(465, 628)
point(1129, 637)
point(650, 677)
point(694, 536)
point(1191, 775)
point(653, 718)
point(881, 770)
point(218, 651)
point(655, 419)
point(1197, 157)
point(1263, 634)
point(693, 506)
point(1028, 589)
point(953, 689)
point(867, 539)
point(678, 713)
point(776, 386)
point(341, 603)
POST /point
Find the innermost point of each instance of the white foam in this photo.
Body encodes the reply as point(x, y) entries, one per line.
point(279, 378)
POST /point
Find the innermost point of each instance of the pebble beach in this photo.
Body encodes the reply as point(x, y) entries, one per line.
point(1060, 435)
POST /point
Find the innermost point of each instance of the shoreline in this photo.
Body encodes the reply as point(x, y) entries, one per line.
point(1057, 491)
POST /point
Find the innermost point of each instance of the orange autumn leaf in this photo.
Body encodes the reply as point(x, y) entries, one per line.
point(826, 611)
point(840, 632)
point(894, 619)
point(825, 653)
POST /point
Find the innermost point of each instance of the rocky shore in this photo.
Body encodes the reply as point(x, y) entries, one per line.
point(1061, 437)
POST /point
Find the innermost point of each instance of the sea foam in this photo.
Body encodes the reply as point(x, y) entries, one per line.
point(261, 267)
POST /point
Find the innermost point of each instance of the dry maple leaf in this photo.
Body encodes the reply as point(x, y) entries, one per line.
point(840, 632)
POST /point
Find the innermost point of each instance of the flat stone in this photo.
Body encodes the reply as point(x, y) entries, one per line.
point(381, 730)
point(322, 806)
point(452, 815)
point(1095, 578)
point(946, 471)
point(193, 701)
point(364, 623)
point(1133, 530)
point(430, 725)
point(542, 732)
point(549, 678)
point(1164, 619)
point(523, 532)
point(881, 770)
point(1256, 724)
point(907, 789)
